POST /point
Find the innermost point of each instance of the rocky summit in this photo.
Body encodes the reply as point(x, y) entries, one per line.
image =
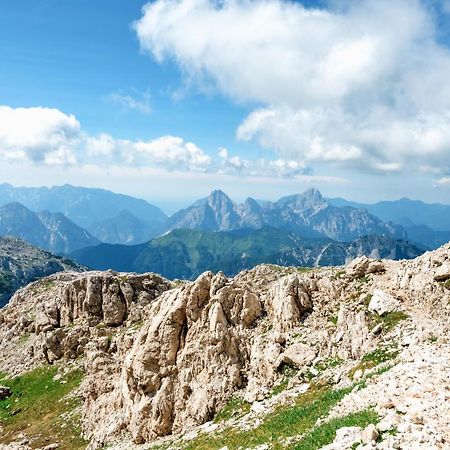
point(351, 357)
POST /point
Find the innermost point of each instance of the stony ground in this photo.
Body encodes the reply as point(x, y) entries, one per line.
point(275, 358)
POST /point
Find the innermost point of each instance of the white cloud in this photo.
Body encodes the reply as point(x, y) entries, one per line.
point(41, 135)
point(170, 152)
point(279, 168)
point(132, 101)
point(444, 181)
point(362, 84)
point(48, 137)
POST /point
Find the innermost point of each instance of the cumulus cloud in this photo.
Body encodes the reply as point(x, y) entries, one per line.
point(360, 84)
point(50, 137)
point(170, 152)
point(40, 135)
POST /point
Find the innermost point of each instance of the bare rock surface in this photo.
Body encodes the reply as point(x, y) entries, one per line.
point(162, 359)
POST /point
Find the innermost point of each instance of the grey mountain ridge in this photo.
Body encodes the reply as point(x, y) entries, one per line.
point(50, 231)
point(308, 214)
point(117, 219)
point(22, 263)
point(84, 206)
point(435, 216)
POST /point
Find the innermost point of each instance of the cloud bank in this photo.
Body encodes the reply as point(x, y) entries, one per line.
point(48, 137)
point(361, 84)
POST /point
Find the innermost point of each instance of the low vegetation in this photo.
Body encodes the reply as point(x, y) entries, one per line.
point(389, 321)
point(374, 358)
point(326, 432)
point(289, 421)
point(288, 372)
point(235, 408)
point(40, 407)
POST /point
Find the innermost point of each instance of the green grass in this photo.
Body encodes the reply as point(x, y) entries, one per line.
point(446, 284)
point(328, 363)
point(367, 299)
point(389, 320)
point(374, 358)
point(47, 285)
point(288, 372)
point(24, 338)
point(297, 418)
point(235, 408)
point(35, 406)
point(333, 320)
point(325, 433)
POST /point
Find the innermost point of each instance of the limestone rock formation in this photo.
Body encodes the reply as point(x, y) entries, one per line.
point(163, 358)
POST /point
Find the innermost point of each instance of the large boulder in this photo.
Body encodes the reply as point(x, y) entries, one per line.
point(383, 303)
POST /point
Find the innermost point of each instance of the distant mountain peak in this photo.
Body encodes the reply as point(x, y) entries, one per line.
point(218, 197)
point(313, 194)
point(307, 203)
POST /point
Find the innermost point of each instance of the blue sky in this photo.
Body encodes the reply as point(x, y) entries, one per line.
point(257, 98)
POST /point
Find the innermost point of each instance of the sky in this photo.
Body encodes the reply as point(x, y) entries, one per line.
point(167, 100)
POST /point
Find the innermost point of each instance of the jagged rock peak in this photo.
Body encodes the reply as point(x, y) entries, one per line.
point(308, 202)
point(218, 197)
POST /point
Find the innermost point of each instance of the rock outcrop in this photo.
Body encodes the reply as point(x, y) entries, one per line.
point(162, 358)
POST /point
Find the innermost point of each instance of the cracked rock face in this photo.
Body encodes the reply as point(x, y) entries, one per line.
point(62, 313)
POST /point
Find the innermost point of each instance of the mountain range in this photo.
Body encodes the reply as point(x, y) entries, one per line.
point(426, 224)
point(64, 219)
point(87, 207)
point(186, 254)
point(308, 214)
point(50, 231)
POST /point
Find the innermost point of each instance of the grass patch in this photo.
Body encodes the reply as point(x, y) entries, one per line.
point(325, 433)
point(389, 320)
point(446, 284)
point(24, 338)
point(288, 372)
point(235, 408)
point(328, 363)
point(339, 274)
point(364, 279)
point(292, 420)
point(35, 408)
point(333, 320)
point(47, 285)
point(373, 359)
point(136, 325)
point(367, 299)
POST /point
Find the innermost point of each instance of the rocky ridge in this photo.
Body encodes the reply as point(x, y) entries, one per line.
point(162, 359)
point(21, 263)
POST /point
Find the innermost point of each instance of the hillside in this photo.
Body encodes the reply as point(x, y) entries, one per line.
point(21, 263)
point(188, 253)
point(353, 357)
